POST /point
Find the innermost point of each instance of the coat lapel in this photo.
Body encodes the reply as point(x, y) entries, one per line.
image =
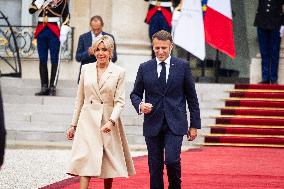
point(89, 39)
point(171, 74)
point(106, 75)
point(154, 74)
point(95, 84)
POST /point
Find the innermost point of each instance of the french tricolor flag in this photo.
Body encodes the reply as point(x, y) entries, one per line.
point(218, 26)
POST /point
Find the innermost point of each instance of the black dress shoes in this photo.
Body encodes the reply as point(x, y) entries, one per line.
point(52, 91)
point(274, 82)
point(44, 91)
point(264, 82)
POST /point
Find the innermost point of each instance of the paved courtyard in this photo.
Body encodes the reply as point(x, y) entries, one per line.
point(34, 168)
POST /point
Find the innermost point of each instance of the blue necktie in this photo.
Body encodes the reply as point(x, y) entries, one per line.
point(162, 78)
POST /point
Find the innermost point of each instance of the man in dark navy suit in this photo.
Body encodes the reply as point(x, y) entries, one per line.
point(269, 21)
point(168, 84)
point(84, 53)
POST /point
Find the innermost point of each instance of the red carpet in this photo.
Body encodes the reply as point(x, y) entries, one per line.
point(255, 103)
point(209, 168)
point(259, 86)
point(250, 121)
point(258, 94)
point(255, 112)
point(258, 112)
point(256, 131)
point(244, 140)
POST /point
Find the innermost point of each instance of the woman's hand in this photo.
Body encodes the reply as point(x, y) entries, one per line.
point(71, 132)
point(107, 127)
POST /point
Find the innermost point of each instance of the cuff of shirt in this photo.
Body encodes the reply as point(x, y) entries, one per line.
point(139, 108)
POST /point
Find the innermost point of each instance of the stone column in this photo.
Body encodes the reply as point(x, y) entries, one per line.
point(80, 15)
point(131, 34)
point(26, 18)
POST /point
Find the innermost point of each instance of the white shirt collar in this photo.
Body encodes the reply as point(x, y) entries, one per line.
point(94, 36)
point(167, 61)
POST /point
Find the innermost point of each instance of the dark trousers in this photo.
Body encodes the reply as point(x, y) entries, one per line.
point(269, 45)
point(157, 23)
point(47, 40)
point(165, 148)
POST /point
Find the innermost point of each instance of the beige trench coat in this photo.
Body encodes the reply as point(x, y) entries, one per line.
point(94, 153)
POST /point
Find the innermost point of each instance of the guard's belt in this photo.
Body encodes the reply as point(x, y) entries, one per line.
point(162, 4)
point(48, 19)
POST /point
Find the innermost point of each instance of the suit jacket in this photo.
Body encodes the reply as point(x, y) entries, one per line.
point(85, 41)
point(269, 14)
point(172, 103)
point(94, 153)
point(2, 131)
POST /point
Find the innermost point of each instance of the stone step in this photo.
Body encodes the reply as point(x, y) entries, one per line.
point(31, 108)
point(29, 86)
point(23, 86)
point(39, 117)
point(45, 118)
point(39, 126)
point(66, 92)
point(44, 131)
point(33, 83)
point(42, 126)
point(211, 104)
point(50, 136)
point(36, 136)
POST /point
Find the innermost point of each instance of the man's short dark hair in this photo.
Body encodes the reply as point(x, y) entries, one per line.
point(162, 35)
point(97, 17)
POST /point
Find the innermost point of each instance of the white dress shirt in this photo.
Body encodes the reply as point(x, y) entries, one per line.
point(94, 37)
point(167, 64)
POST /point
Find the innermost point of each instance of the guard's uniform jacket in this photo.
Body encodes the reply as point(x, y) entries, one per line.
point(51, 16)
point(159, 16)
point(269, 14)
point(164, 6)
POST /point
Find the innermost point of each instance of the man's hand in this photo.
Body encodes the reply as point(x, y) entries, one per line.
point(191, 134)
point(146, 108)
point(107, 127)
point(91, 51)
point(281, 31)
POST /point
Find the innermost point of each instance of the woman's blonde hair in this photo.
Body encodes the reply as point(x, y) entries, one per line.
point(108, 42)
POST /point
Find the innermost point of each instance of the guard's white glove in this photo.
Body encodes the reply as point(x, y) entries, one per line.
point(38, 3)
point(281, 31)
point(63, 33)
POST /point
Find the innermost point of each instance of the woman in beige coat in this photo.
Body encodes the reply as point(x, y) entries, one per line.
point(100, 147)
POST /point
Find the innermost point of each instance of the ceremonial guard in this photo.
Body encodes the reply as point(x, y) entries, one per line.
point(159, 16)
point(269, 21)
point(51, 31)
